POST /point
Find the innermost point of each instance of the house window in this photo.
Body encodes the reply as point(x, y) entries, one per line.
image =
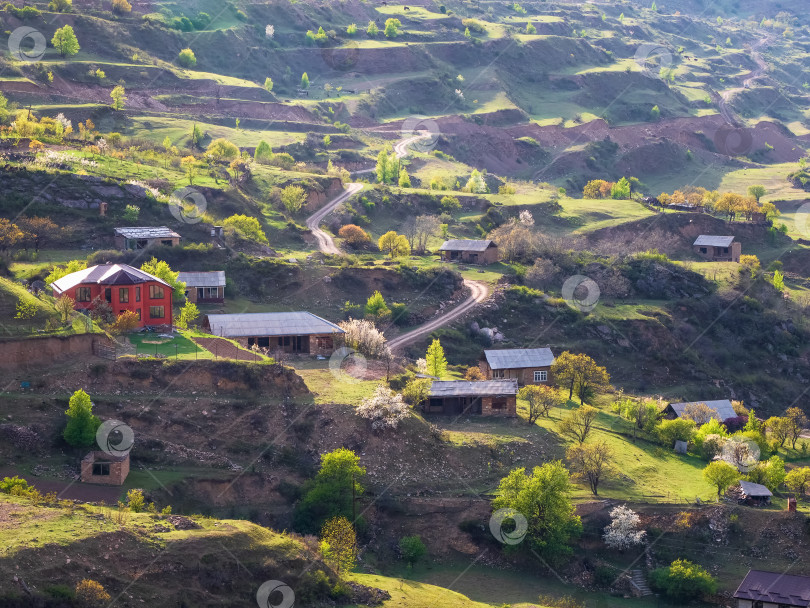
point(155, 312)
point(540, 376)
point(101, 468)
point(156, 292)
point(137, 294)
point(497, 373)
point(703, 250)
point(83, 294)
point(758, 604)
point(108, 294)
point(123, 295)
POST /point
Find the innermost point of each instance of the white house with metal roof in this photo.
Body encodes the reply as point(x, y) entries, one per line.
point(141, 237)
point(717, 248)
point(290, 332)
point(526, 365)
point(204, 287)
point(469, 251)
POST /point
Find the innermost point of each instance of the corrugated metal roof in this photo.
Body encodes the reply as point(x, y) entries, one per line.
point(754, 490)
point(723, 408)
point(707, 240)
point(257, 324)
point(465, 245)
point(215, 278)
point(105, 274)
point(774, 587)
point(516, 358)
point(482, 388)
point(146, 232)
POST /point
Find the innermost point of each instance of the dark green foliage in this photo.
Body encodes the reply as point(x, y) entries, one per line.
point(683, 580)
point(399, 313)
point(412, 549)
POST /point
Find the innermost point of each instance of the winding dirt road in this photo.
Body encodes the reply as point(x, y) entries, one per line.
point(326, 243)
point(479, 293)
point(727, 113)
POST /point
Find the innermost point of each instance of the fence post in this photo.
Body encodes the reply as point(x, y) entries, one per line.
point(175, 352)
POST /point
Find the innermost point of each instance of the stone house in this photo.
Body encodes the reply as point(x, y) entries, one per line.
point(717, 248)
point(102, 468)
point(481, 398)
point(526, 365)
point(469, 251)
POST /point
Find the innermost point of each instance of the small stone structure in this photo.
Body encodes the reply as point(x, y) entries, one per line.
point(102, 468)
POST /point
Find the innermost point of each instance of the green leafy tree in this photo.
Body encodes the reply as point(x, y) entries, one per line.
point(477, 184)
point(530, 29)
point(436, 361)
point(222, 149)
point(683, 580)
point(386, 166)
point(404, 179)
point(131, 213)
point(412, 549)
point(188, 314)
point(333, 491)
point(162, 270)
point(721, 475)
point(60, 6)
point(670, 431)
point(263, 154)
point(655, 113)
point(770, 473)
point(119, 98)
point(797, 422)
point(64, 40)
point(293, 198)
point(80, 431)
point(376, 306)
point(246, 228)
point(642, 413)
point(544, 499)
point(196, 135)
point(304, 81)
point(268, 84)
point(372, 30)
point(392, 27)
point(621, 189)
point(757, 191)
point(135, 500)
point(797, 480)
point(187, 58)
point(351, 29)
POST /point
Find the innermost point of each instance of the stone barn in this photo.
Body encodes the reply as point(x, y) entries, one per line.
point(102, 468)
point(717, 248)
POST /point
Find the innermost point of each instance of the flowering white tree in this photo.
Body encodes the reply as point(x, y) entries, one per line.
point(526, 218)
point(269, 31)
point(622, 532)
point(421, 365)
point(385, 409)
point(364, 337)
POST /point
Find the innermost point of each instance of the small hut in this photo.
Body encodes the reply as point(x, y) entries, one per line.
point(754, 493)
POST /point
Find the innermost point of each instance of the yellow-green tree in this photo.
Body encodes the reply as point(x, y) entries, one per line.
point(293, 197)
point(579, 423)
point(64, 40)
point(339, 544)
point(394, 244)
point(436, 361)
point(721, 475)
point(119, 98)
point(82, 425)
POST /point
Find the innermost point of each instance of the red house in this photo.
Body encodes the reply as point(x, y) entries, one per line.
point(124, 287)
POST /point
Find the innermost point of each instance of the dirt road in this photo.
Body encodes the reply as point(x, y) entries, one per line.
point(325, 242)
point(479, 293)
point(727, 113)
point(400, 148)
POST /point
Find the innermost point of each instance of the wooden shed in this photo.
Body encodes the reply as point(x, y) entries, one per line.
point(481, 398)
point(755, 493)
point(204, 287)
point(143, 237)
